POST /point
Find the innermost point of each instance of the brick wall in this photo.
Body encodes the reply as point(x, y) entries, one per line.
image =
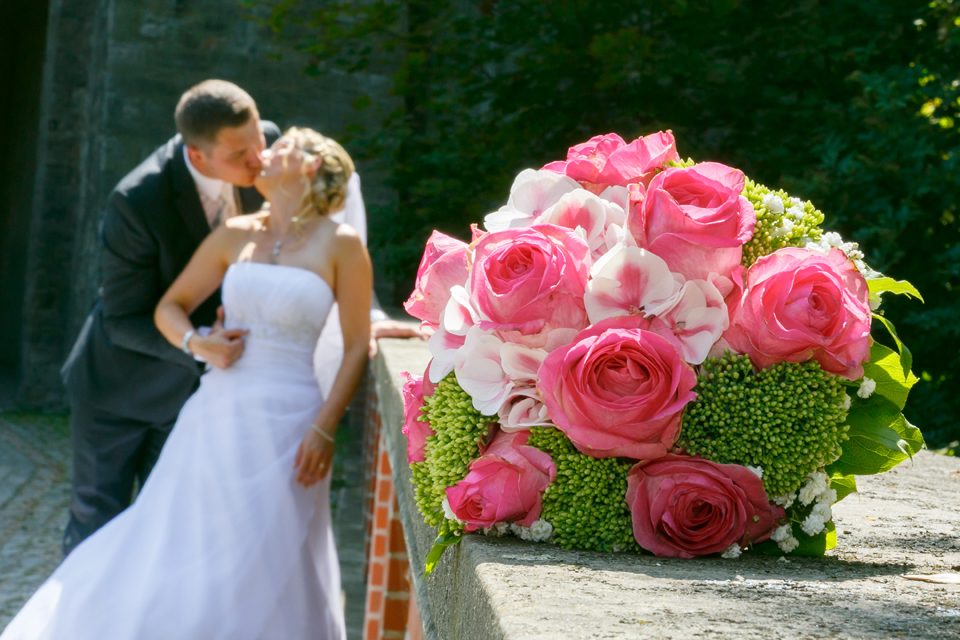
point(391, 610)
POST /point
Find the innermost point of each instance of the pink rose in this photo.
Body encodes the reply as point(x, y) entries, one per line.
point(797, 304)
point(415, 430)
point(608, 160)
point(505, 484)
point(444, 265)
point(527, 284)
point(619, 388)
point(685, 507)
point(695, 219)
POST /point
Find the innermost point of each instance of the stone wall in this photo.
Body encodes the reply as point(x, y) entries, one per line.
point(113, 74)
point(485, 588)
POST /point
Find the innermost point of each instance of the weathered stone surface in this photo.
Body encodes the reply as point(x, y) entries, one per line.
point(904, 522)
point(34, 496)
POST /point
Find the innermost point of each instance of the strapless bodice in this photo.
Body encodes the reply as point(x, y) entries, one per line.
point(282, 307)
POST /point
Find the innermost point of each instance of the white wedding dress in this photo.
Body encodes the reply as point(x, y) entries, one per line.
point(221, 542)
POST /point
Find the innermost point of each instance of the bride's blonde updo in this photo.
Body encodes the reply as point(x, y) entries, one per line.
point(328, 191)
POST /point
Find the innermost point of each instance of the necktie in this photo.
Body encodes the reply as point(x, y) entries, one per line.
point(225, 206)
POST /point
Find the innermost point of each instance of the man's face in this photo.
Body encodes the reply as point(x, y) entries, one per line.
point(236, 156)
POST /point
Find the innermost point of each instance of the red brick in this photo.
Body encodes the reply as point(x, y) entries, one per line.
point(377, 577)
point(379, 546)
point(384, 463)
point(374, 601)
point(372, 630)
point(395, 614)
point(384, 491)
point(381, 519)
point(397, 577)
point(396, 537)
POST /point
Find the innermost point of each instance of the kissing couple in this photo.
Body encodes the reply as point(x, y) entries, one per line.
point(230, 534)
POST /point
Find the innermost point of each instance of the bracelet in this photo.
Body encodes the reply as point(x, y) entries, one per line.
point(323, 433)
point(185, 343)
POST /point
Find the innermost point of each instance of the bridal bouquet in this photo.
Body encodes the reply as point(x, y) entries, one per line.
point(641, 353)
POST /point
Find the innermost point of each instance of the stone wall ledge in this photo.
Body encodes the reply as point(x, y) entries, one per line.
point(904, 522)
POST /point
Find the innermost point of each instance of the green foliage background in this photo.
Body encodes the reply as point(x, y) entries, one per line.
point(852, 104)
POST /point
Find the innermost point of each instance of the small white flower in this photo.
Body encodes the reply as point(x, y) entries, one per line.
point(786, 500)
point(813, 524)
point(846, 403)
point(521, 532)
point(796, 202)
point(828, 497)
point(733, 551)
point(833, 239)
point(852, 249)
point(541, 530)
point(498, 530)
point(785, 228)
point(773, 202)
point(867, 387)
point(757, 470)
point(815, 485)
point(822, 510)
point(781, 533)
point(783, 536)
point(821, 247)
point(796, 212)
point(448, 512)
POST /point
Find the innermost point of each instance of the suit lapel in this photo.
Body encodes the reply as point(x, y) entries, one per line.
point(188, 200)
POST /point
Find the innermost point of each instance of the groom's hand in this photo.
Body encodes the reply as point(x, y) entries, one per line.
point(221, 348)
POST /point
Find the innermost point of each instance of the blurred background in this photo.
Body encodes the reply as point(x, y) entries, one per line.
point(853, 104)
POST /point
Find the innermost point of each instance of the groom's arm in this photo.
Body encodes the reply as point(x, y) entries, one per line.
point(132, 285)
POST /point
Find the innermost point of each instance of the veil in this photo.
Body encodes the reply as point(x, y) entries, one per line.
point(329, 353)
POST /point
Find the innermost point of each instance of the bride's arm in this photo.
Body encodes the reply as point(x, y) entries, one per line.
point(197, 282)
point(352, 288)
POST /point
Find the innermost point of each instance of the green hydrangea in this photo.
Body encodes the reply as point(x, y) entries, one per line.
point(586, 504)
point(459, 430)
point(782, 221)
point(787, 420)
point(682, 164)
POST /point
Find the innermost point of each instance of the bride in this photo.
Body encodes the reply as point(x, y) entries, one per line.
point(230, 536)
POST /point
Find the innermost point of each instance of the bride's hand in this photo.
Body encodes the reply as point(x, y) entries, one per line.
point(221, 348)
point(314, 459)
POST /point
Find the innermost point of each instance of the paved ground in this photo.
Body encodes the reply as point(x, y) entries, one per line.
point(35, 462)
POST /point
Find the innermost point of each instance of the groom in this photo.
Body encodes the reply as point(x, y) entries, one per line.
point(126, 382)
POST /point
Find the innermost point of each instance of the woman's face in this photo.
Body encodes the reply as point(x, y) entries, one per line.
point(284, 165)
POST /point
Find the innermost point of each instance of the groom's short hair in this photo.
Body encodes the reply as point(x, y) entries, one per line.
point(210, 106)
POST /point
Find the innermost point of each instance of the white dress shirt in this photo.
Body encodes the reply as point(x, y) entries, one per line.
point(216, 196)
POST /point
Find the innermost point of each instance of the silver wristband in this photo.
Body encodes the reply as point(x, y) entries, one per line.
point(185, 344)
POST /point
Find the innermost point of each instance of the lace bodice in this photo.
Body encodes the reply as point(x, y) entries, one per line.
point(276, 303)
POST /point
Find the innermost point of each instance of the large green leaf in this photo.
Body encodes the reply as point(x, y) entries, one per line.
point(880, 438)
point(884, 285)
point(843, 485)
point(439, 546)
point(906, 358)
point(886, 369)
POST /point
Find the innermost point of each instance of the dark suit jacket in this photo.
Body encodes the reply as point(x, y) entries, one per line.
point(120, 364)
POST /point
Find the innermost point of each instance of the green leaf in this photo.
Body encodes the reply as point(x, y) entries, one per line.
point(439, 546)
point(885, 284)
point(880, 438)
point(843, 485)
point(906, 358)
point(886, 369)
